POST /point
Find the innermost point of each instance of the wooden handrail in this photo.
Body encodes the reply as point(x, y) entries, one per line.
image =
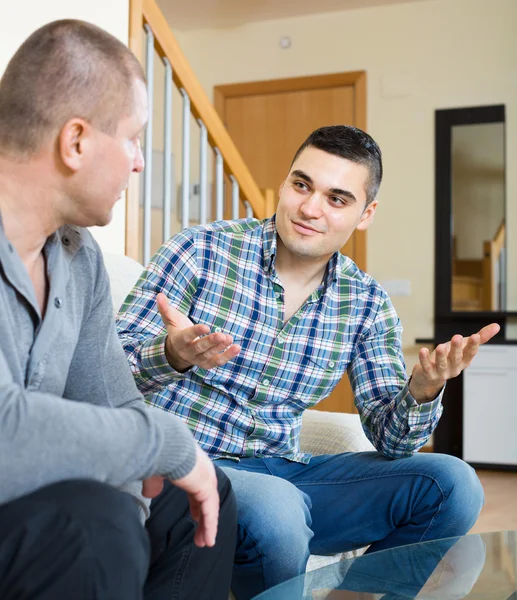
point(147, 12)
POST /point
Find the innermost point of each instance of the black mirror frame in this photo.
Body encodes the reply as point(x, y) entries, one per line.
point(445, 120)
point(448, 436)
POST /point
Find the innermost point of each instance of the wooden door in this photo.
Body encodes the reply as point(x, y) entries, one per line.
point(268, 122)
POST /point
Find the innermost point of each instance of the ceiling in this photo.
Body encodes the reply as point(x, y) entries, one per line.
point(200, 14)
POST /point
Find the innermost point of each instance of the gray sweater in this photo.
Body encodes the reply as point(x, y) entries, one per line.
point(62, 377)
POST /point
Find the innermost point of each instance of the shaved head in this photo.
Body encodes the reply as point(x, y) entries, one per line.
point(65, 69)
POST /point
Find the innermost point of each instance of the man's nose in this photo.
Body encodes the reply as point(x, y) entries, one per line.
point(311, 206)
point(139, 163)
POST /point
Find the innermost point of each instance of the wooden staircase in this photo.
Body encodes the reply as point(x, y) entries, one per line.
point(467, 293)
point(242, 195)
point(476, 283)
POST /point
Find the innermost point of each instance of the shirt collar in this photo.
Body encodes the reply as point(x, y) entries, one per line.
point(67, 238)
point(269, 245)
point(333, 267)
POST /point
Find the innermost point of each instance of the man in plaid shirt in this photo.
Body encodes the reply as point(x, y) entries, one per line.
point(238, 327)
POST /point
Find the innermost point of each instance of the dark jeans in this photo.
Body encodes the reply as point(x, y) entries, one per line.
point(83, 540)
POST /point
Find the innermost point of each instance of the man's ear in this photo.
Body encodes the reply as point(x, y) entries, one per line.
point(367, 216)
point(74, 140)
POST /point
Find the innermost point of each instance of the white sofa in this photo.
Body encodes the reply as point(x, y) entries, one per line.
point(322, 432)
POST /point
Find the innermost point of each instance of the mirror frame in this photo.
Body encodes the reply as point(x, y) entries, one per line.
point(445, 120)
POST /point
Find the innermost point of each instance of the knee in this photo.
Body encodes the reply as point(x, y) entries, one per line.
point(109, 516)
point(461, 489)
point(89, 499)
point(276, 515)
point(97, 528)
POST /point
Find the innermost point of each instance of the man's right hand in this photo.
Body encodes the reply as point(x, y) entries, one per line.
point(201, 487)
point(188, 344)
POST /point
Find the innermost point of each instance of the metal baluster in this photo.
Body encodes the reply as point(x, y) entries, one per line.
point(149, 65)
point(249, 210)
point(167, 152)
point(235, 197)
point(185, 151)
point(203, 173)
point(219, 185)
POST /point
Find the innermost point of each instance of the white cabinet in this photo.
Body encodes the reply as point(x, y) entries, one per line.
point(490, 406)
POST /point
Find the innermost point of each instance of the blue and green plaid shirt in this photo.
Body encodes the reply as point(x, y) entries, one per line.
point(223, 275)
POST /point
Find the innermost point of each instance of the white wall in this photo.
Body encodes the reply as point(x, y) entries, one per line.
point(22, 17)
point(419, 57)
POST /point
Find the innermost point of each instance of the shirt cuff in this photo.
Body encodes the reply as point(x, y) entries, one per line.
point(420, 414)
point(154, 362)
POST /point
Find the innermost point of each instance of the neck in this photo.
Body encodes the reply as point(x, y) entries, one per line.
point(27, 206)
point(307, 271)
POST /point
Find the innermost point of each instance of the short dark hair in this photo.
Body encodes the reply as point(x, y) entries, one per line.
point(354, 145)
point(65, 69)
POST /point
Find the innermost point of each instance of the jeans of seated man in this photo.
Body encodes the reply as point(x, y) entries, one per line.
point(337, 503)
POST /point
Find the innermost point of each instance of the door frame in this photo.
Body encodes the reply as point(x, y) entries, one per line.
point(356, 79)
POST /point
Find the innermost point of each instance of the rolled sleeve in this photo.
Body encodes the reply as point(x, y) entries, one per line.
point(154, 362)
point(425, 414)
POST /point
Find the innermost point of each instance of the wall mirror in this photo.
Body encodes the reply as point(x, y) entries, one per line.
point(471, 227)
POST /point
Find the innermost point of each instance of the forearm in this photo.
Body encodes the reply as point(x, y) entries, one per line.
point(139, 325)
point(150, 364)
point(396, 424)
point(44, 439)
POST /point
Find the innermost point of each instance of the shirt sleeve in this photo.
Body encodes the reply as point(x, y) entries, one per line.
point(392, 419)
point(173, 270)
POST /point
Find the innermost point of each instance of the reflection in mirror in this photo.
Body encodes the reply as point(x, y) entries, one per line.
point(478, 217)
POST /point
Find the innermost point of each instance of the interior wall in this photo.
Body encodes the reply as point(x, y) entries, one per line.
point(25, 16)
point(419, 57)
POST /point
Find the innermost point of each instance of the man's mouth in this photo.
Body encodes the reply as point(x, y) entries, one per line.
point(304, 229)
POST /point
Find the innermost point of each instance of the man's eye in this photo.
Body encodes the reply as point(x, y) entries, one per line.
point(337, 200)
point(301, 185)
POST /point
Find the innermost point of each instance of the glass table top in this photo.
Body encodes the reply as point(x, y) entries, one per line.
point(481, 566)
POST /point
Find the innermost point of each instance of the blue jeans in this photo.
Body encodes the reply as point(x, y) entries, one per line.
point(336, 503)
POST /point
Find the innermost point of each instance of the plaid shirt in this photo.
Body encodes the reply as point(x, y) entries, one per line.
point(223, 275)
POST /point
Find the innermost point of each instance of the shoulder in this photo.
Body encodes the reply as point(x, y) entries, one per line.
point(203, 237)
point(371, 298)
point(349, 273)
point(237, 229)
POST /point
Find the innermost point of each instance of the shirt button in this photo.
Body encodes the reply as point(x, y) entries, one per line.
point(266, 382)
point(58, 302)
point(218, 330)
point(66, 241)
point(281, 339)
point(332, 364)
point(278, 294)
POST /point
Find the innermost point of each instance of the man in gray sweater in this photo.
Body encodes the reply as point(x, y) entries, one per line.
point(81, 455)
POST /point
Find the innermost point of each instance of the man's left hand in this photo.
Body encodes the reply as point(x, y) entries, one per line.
point(445, 362)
